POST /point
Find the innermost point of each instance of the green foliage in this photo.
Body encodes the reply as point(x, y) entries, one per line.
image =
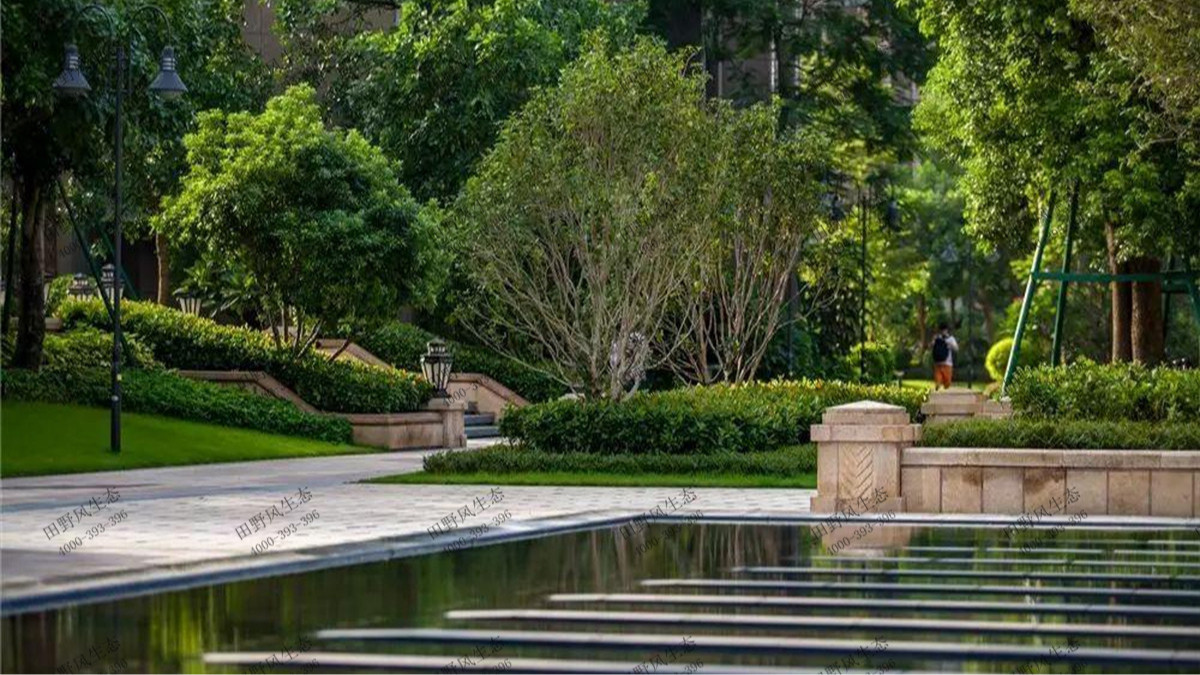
point(1026, 99)
point(1064, 434)
point(879, 360)
point(183, 341)
point(402, 344)
point(315, 217)
point(751, 417)
point(434, 90)
point(1090, 391)
point(997, 358)
point(834, 67)
point(57, 292)
point(165, 393)
point(785, 462)
point(87, 347)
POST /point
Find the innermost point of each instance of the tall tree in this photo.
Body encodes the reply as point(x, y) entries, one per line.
point(47, 136)
point(1027, 99)
point(433, 90)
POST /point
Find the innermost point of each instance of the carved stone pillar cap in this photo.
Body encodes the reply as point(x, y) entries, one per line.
point(864, 413)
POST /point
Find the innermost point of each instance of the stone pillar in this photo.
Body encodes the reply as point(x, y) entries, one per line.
point(454, 429)
point(858, 457)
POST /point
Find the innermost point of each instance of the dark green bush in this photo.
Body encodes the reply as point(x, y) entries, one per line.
point(161, 392)
point(402, 344)
point(187, 342)
point(1064, 434)
point(1091, 391)
point(721, 418)
point(784, 462)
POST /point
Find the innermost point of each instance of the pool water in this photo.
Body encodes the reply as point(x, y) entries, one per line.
point(675, 598)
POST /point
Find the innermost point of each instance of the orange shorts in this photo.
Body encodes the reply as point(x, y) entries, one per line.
point(943, 373)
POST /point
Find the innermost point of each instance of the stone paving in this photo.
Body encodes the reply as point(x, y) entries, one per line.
point(200, 515)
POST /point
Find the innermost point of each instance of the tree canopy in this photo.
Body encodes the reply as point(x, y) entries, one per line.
point(315, 217)
point(433, 91)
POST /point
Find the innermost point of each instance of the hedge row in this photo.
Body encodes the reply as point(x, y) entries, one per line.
point(161, 392)
point(1090, 391)
point(785, 462)
point(402, 344)
point(1064, 435)
point(183, 341)
point(721, 418)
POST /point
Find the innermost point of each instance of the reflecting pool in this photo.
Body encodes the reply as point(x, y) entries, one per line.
point(675, 598)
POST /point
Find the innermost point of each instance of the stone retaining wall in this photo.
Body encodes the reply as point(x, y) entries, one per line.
point(869, 448)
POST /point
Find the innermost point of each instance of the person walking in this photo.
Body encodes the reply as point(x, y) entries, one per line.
point(944, 348)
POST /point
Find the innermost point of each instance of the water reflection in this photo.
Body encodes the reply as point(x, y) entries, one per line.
point(171, 631)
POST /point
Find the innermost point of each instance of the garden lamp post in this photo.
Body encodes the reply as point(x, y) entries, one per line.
point(81, 287)
point(108, 281)
point(435, 365)
point(190, 304)
point(71, 82)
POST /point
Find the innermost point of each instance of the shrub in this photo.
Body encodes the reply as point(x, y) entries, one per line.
point(1087, 390)
point(785, 462)
point(164, 393)
point(402, 344)
point(878, 359)
point(89, 348)
point(1064, 434)
point(997, 359)
point(185, 341)
point(720, 418)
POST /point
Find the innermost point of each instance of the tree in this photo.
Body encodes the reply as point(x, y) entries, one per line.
point(750, 247)
point(836, 64)
point(433, 91)
point(47, 136)
point(1027, 99)
point(315, 217)
point(581, 226)
point(1160, 41)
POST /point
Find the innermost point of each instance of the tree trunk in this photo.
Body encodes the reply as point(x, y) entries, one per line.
point(1146, 325)
point(1122, 346)
point(162, 253)
point(31, 320)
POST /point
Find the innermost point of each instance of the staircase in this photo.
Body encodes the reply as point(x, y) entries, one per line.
point(481, 427)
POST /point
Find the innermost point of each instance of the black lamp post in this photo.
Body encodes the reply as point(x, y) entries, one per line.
point(71, 82)
point(435, 366)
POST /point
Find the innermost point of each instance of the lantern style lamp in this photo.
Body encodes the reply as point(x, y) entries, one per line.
point(108, 281)
point(81, 287)
point(435, 365)
point(190, 304)
point(167, 83)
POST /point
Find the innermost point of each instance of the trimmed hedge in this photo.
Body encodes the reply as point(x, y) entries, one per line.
point(1090, 391)
point(750, 417)
point(785, 462)
point(160, 392)
point(88, 348)
point(1064, 435)
point(189, 342)
point(402, 344)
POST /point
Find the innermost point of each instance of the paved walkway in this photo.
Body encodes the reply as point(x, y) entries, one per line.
point(193, 517)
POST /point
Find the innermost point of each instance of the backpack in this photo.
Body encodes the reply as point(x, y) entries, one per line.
point(941, 350)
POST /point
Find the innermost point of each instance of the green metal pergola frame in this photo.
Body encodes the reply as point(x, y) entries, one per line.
point(1173, 281)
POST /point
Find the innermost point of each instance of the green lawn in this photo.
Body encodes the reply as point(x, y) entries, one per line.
point(804, 480)
point(49, 438)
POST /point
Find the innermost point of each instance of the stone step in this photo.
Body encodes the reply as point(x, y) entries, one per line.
point(489, 431)
point(479, 419)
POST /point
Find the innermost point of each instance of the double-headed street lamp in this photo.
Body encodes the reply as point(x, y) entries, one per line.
point(71, 82)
